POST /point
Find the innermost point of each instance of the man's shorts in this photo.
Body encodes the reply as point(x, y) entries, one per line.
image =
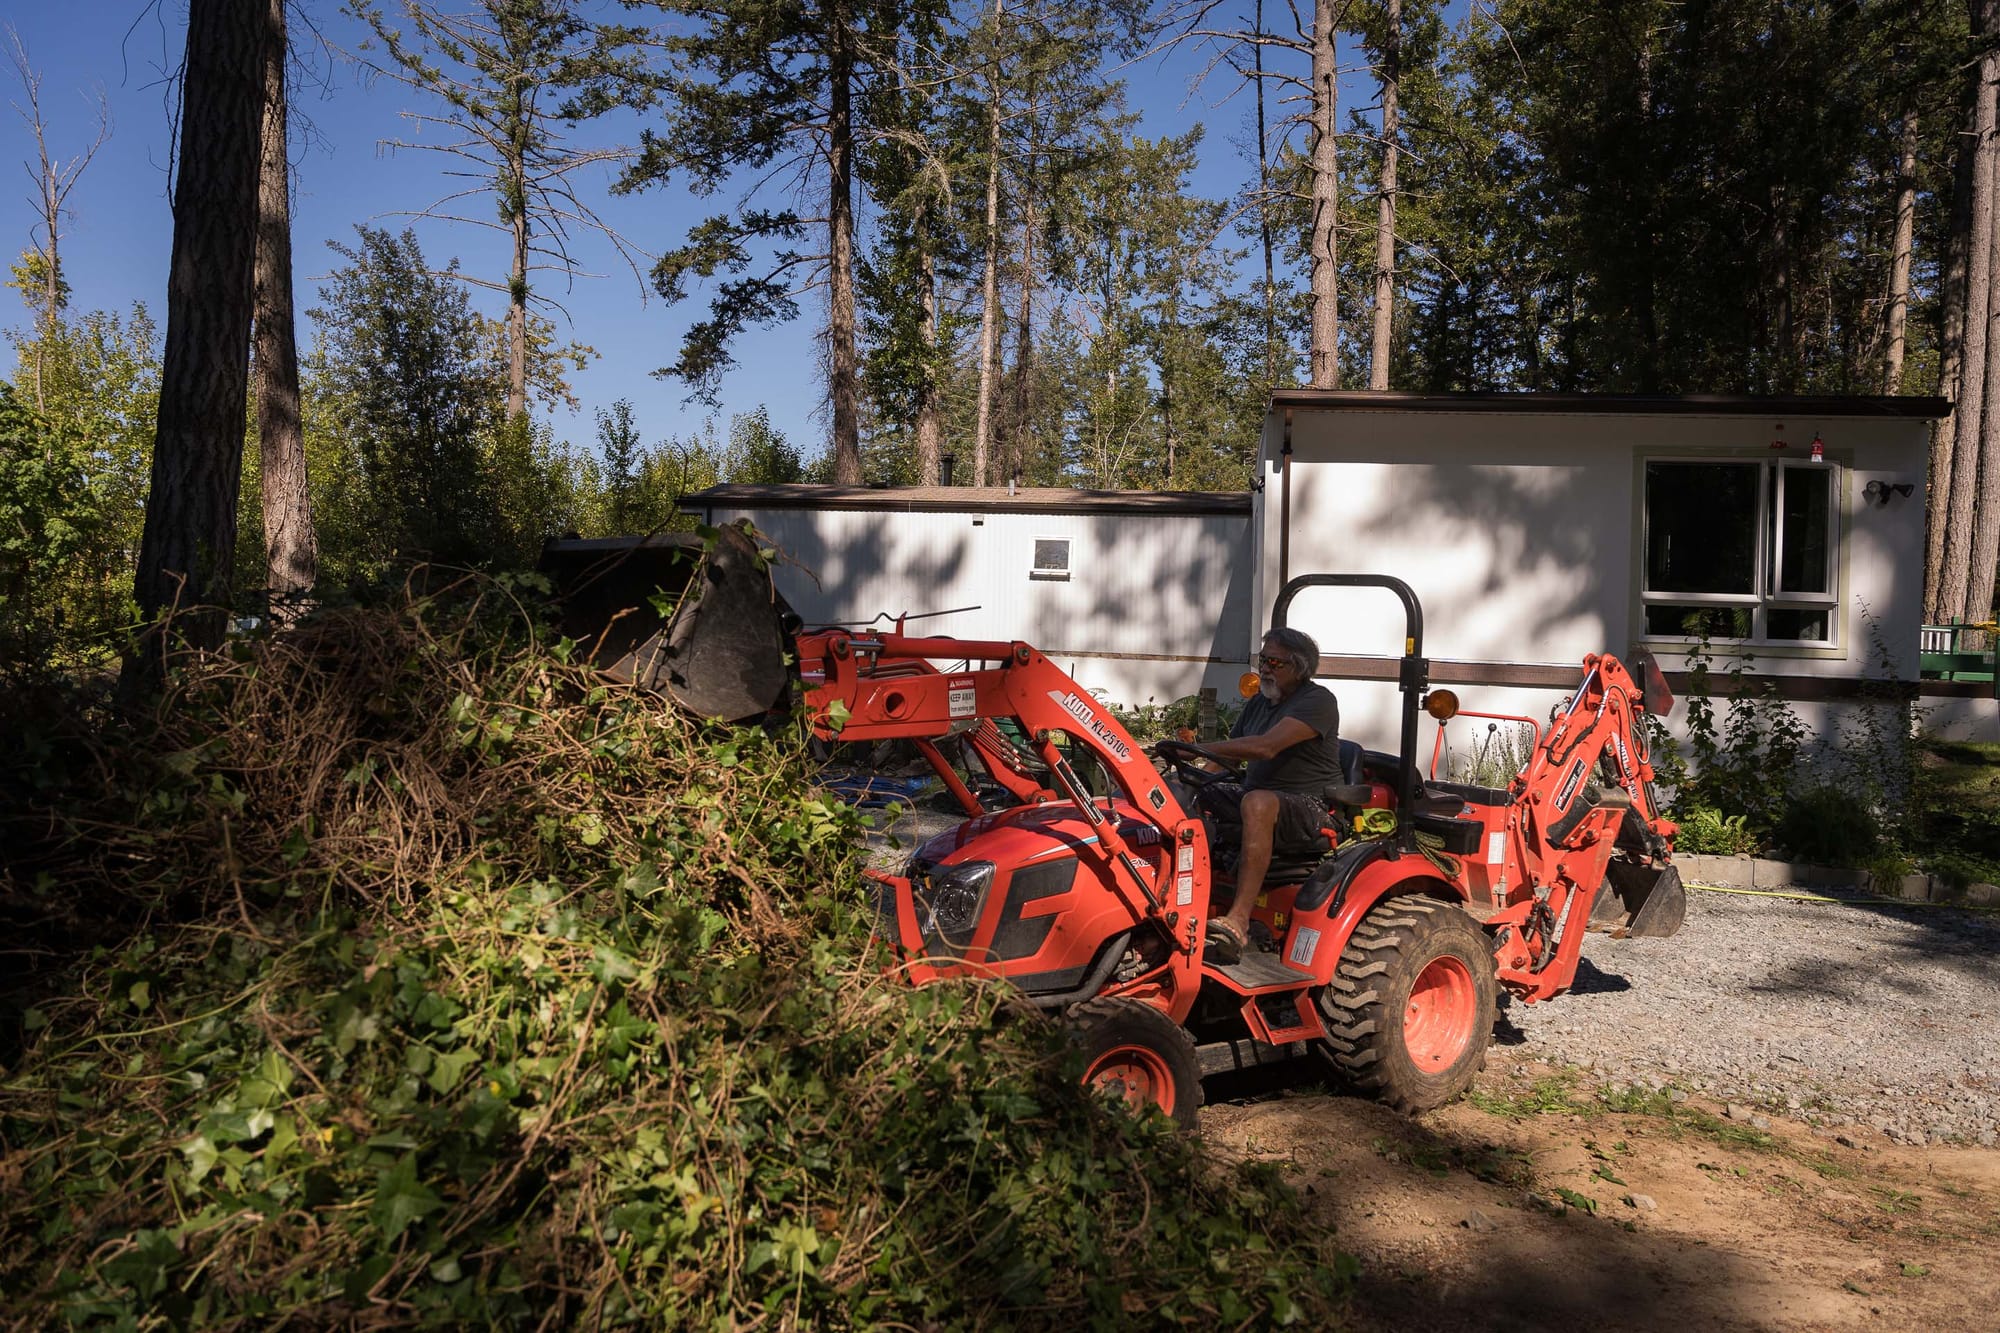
point(1300, 817)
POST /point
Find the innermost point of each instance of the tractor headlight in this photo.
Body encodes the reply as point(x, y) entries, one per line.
point(949, 900)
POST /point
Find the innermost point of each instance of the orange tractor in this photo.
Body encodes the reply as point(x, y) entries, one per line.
point(1386, 950)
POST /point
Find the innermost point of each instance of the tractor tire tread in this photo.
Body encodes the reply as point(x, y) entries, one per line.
point(1390, 946)
point(1171, 1040)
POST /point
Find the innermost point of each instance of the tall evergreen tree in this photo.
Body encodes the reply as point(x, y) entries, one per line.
point(515, 76)
point(291, 549)
point(190, 537)
point(778, 91)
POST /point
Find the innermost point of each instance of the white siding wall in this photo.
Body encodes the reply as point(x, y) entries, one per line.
point(1520, 535)
point(1143, 590)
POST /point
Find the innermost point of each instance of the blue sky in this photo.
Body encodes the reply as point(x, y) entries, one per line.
point(116, 245)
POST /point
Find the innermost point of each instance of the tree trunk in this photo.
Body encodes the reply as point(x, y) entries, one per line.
point(1951, 340)
point(291, 548)
point(1968, 409)
point(930, 425)
point(840, 214)
point(989, 312)
point(190, 533)
point(517, 295)
point(1986, 497)
point(1385, 217)
point(1899, 256)
point(1899, 265)
point(1024, 333)
point(1325, 355)
point(1264, 214)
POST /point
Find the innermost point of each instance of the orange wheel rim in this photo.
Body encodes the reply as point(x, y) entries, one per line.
point(1135, 1075)
point(1438, 1022)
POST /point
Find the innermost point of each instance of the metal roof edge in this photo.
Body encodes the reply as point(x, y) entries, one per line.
point(961, 499)
point(1614, 404)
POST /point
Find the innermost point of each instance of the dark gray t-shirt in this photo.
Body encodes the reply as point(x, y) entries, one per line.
point(1309, 767)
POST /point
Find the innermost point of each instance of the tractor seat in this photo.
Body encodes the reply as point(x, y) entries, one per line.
point(1350, 761)
point(1293, 866)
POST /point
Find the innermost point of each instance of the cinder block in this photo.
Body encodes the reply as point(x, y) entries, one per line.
point(1916, 888)
point(1729, 872)
point(1732, 871)
point(1773, 874)
point(1829, 877)
point(1693, 867)
point(1982, 895)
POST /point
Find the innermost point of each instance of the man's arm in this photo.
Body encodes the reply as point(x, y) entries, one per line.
point(1286, 733)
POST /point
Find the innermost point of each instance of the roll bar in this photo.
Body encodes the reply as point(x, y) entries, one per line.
point(1412, 677)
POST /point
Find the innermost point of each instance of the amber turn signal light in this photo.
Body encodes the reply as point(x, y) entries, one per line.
point(1246, 684)
point(1441, 704)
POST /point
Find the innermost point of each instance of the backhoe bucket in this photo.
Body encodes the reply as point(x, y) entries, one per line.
point(1639, 901)
point(722, 651)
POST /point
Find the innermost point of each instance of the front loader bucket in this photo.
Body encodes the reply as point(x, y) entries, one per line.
point(721, 652)
point(1639, 901)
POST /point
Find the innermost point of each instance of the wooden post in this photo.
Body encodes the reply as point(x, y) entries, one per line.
point(1206, 726)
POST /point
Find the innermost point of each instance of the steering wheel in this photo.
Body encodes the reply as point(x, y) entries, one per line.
point(1181, 756)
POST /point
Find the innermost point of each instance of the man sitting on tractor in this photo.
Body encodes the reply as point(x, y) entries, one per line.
point(1289, 737)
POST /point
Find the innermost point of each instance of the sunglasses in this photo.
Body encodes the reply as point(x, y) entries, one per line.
point(1270, 663)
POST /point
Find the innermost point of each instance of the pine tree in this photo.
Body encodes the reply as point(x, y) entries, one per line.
point(291, 548)
point(190, 535)
point(515, 77)
point(776, 91)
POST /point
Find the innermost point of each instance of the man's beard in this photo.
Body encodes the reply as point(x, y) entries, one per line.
point(1269, 689)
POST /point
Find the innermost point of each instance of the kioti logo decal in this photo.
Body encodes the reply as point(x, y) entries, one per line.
point(1081, 711)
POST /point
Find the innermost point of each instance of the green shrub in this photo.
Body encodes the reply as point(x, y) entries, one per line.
point(1149, 722)
point(401, 972)
point(1704, 830)
point(1826, 825)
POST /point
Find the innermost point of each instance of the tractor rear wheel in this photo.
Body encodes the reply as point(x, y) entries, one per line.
point(1411, 1007)
point(1138, 1055)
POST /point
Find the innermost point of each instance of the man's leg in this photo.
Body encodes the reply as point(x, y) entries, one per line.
point(1260, 823)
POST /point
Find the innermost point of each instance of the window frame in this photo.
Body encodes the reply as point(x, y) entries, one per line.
point(1767, 562)
point(1036, 574)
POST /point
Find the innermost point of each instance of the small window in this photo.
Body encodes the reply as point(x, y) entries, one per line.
point(1741, 550)
point(1051, 559)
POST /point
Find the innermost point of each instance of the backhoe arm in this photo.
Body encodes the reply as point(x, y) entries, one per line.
point(1586, 795)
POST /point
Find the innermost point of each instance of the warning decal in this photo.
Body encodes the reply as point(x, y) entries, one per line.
point(964, 699)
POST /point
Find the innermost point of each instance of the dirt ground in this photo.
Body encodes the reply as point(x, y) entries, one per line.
point(1479, 1216)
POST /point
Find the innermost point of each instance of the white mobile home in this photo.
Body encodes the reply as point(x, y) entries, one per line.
point(1137, 595)
point(1537, 528)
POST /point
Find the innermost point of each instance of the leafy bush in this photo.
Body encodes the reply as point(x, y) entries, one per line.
point(1827, 825)
point(1498, 757)
point(47, 514)
point(400, 971)
point(1704, 830)
point(1150, 721)
point(1742, 761)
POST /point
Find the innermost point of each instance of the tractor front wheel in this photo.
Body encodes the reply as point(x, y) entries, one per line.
point(1138, 1055)
point(1411, 1007)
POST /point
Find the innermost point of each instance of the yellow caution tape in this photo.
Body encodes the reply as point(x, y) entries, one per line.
point(1825, 898)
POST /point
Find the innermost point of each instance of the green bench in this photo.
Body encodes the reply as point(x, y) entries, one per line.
point(1941, 658)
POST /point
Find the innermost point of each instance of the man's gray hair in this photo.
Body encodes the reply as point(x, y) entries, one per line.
point(1297, 645)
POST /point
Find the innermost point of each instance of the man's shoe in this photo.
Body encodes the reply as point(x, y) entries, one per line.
point(1225, 943)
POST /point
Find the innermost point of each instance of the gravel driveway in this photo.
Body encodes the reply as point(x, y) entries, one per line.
point(1836, 1013)
point(1839, 1014)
